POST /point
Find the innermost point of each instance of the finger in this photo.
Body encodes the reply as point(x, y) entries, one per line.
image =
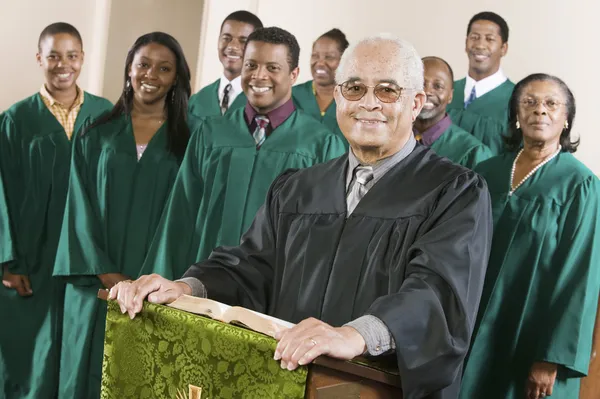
point(18, 285)
point(144, 286)
point(550, 389)
point(304, 338)
point(27, 285)
point(288, 335)
point(113, 292)
point(161, 297)
point(123, 296)
point(307, 352)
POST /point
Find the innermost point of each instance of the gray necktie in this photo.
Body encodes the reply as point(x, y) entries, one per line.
point(362, 176)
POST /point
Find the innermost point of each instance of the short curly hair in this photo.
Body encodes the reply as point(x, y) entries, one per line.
point(276, 35)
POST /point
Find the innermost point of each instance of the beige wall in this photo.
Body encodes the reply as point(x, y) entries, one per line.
point(21, 23)
point(130, 19)
point(552, 36)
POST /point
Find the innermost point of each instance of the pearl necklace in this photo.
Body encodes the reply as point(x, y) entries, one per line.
point(512, 172)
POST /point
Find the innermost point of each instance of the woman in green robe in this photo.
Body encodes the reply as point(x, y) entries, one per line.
point(35, 149)
point(122, 171)
point(534, 329)
point(315, 97)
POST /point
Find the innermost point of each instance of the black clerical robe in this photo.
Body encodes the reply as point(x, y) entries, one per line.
point(413, 253)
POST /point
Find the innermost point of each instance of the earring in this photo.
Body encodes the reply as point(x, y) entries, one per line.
point(127, 86)
point(173, 96)
point(566, 125)
point(518, 125)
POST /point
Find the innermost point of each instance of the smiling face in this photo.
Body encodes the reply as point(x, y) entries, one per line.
point(324, 61)
point(438, 88)
point(266, 77)
point(232, 42)
point(542, 112)
point(152, 73)
point(61, 58)
point(369, 124)
point(485, 49)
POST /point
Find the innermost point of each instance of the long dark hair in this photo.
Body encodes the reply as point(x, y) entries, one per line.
point(176, 103)
point(514, 137)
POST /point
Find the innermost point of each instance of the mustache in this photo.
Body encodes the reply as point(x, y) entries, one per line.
point(369, 115)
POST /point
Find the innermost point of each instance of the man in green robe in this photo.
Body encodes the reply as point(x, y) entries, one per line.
point(315, 97)
point(232, 161)
point(434, 128)
point(480, 100)
point(35, 151)
point(225, 94)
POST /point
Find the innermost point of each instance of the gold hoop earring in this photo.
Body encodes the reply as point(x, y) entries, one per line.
point(566, 125)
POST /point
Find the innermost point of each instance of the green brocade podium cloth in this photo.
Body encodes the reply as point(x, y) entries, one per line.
point(163, 351)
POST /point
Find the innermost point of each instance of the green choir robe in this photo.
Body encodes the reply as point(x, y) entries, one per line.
point(541, 291)
point(305, 100)
point(486, 117)
point(34, 167)
point(223, 181)
point(461, 147)
point(206, 101)
point(113, 208)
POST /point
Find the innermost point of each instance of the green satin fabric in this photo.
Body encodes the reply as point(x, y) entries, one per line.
point(164, 350)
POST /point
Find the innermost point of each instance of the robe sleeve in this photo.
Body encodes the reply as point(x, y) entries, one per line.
point(570, 317)
point(432, 316)
point(6, 239)
point(177, 239)
point(243, 275)
point(475, 156)
point(81, 255)
point(11, 177)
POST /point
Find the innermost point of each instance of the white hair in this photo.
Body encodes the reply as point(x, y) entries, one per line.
point(408, 61)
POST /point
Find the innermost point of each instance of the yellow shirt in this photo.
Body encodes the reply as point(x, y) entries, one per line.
point(65, 116)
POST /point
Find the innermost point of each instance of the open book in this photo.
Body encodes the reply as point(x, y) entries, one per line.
point(231, 314)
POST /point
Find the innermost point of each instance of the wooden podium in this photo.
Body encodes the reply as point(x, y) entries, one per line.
point(334, 379)
point(327, 378)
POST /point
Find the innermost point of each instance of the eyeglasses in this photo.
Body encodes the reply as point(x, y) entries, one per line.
point(385, 92)
point(550, 104)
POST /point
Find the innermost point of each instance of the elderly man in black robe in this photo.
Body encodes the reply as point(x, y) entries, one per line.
point(381, 252)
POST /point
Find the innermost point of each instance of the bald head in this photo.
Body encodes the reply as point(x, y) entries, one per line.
point(383, 52)
point(439, 62)
point(439, 83)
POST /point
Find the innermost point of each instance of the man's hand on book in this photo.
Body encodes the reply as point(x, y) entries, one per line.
point(18, 282)
point(312, 338)
point(131, 294)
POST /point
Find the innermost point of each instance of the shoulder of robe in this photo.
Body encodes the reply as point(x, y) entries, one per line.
point(311, 126)
point(573, 172)
point(466, 138)
point(108, 128)
point(208, 89)
point(24, 108)
point(96, 101)
point(302, 87)
point(194, 122)
point(440, 171)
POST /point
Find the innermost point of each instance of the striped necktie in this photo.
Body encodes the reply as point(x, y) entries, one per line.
point(225, 102)
point(471, 98)
point(362, 176)
point(260, 133)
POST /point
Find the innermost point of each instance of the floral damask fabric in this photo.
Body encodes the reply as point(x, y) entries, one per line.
point(163, 351)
